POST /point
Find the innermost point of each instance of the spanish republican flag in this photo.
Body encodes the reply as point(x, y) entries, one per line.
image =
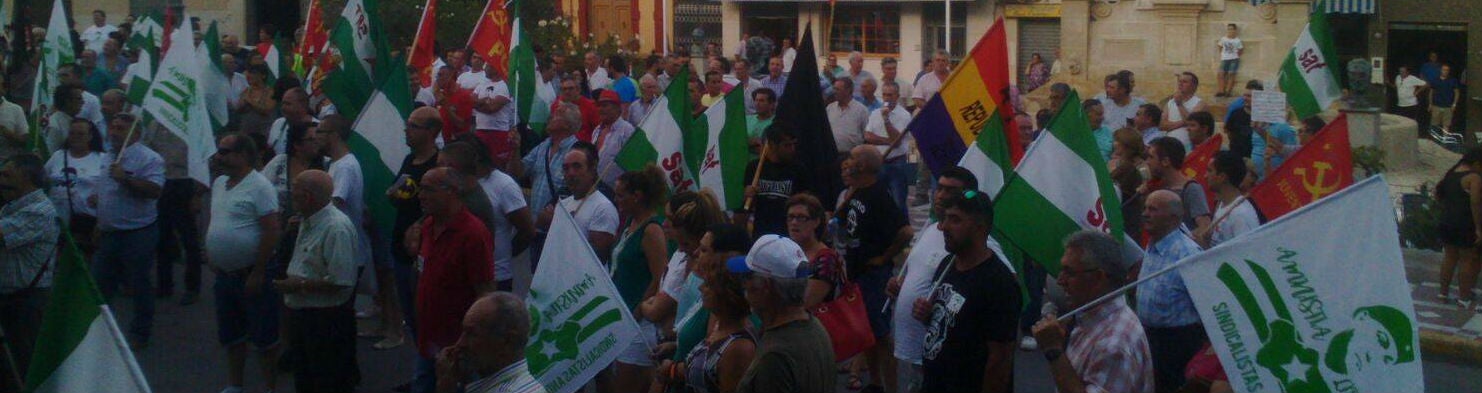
point(974, 99)
point(1323, 166)
point(491, 36)
point(423, 53)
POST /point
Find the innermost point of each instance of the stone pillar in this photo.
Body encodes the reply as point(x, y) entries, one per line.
point(1179, 22)
point(912, 30)
point(1075, 42)
point(730, 27)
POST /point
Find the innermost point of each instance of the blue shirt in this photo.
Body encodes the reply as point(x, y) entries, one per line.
point(1103, 137)
point(870, 102)
point(122, 210)
point(1164, 301)
point(1234, 106)
point(545, 171)
point(777, 84)
point(1445, 92)
point(1282, 132)
point(626, 88)
point(1431, 72)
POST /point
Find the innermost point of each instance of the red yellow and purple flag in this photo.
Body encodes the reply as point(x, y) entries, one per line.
point(974, 99)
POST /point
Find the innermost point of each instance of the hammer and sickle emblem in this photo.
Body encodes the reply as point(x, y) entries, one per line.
point(1317, 187)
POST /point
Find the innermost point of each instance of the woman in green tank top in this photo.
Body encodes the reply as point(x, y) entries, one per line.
point(639, 259)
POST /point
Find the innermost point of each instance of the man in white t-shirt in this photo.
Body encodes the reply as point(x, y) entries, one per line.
point(1226, 172)
point(888, 73)
point(295, 111)
point(494, 116)
point(471, 79)
point(1118, 105)
point(594, 213)
point(92, 107)
point(349, 185)
point(847, 117)
point(596, 75)
point(929, 84)
point(1184, 102)
point(240, 240)
point(94, 36)
point(1407, 89)
point(513, 226)
point(1231, 48)
point(789, 54)
point(887, 127)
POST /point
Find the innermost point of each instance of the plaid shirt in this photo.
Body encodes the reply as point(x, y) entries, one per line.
point(515, 378)
point(1109, 350)
point(29, 228)
point(1164, 301)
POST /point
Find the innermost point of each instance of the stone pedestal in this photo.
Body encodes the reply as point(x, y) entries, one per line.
point(1392, 133)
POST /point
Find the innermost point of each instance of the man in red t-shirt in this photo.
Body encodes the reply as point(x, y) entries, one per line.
point(454, 248)
point(571, 92)
point(453, 103)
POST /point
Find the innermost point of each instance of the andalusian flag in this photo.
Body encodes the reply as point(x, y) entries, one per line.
point(1307, 76)
point(357, 38)
point(961, 115)
point(533, 98)
point(178, 101)
point(214, 81)
point(56, 49)
point(1062, 186)
point(379, 141)
point(723, 168)
point(660, 137)
point(148, 37)
point(81, 348)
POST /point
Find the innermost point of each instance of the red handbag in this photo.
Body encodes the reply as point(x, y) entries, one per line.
point(844, 318)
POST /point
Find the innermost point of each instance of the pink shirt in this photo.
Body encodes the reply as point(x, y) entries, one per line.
point(1109, 350)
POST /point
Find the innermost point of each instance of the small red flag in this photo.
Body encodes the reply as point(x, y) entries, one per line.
point(1323, 166)
point(1196, 164)
point(490, 39)
point(423, 52)
point(315, 35)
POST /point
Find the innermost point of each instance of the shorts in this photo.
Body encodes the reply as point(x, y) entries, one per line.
point(640, 352)
point(1230, 66)
point(872, 285)
point(243, 318)
point(1456, 236)
point(498, 143)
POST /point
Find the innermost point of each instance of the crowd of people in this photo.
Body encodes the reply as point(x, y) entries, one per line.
point(285, 229)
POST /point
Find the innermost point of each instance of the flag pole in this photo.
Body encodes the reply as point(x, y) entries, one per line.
point(1199, 233)
point(760, 161)
point(1119, 291)
point(118, 158)
point(12, 370)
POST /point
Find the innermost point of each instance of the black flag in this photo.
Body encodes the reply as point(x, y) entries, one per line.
point(802, 106)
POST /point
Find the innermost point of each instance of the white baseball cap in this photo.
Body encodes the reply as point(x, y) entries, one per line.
point(773, 256)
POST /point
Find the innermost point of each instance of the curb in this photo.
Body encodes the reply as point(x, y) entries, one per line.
point(1435, 345)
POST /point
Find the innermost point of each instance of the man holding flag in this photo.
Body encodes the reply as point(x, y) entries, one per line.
point(127, 215)
point(1108, 350)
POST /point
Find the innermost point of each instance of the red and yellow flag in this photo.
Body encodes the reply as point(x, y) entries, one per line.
point(423, 47)
point(490, 39)
point(950, 122)
point(1323, 166)
point(315, 35)
point(1196, 164)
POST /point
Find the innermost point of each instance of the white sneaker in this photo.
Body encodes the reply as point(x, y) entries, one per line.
point(232, 389)
point(1028, 344)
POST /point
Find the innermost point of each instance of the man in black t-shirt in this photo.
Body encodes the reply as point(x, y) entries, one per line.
point(422, 128)
point(875, 230)
point(782, 177)
point(973, 310)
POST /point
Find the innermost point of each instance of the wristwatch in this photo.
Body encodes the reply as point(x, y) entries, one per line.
point(1053, 354)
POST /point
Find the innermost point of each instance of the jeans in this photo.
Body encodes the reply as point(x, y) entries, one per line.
point(177, 229)
point(120, 260)
point(1171, 348)
point(406, 290)
point(898, 177)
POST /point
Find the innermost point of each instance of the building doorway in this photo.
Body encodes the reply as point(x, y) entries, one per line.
point(1036, 37)
point(284, 16)
point(1411, 43)
point(611, 18)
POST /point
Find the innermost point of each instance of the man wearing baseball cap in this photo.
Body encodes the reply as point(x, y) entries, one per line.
point(794, 354)
point(610, 135)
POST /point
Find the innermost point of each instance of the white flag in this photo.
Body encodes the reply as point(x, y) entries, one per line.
point(579, 323)
point(1304, 305)
point(177, 101)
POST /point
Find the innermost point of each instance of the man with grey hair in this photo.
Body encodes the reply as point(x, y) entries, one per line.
point(543, 163)
point(1174, 331)
point(1108, 351)
point(231, 46)
point(318, 289)
point(648, 89)
point(794, 354)
point(856, 69)
point(875, 232)
point(597, 77)
point(490, 354)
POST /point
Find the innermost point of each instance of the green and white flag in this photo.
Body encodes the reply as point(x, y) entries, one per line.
point(532, 104)
point(660, 137)
point(1308, 76)
point(379, 141)
point(148, 36)
point(356, 36)
point(213, 80)
point(178, 101)
point(723, 168)
point(56, 49)
point(1060, 187)
point(578, 321)
point(81, 348)
point(1315, 301)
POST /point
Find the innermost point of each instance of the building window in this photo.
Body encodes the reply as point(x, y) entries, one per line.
point(935, 30)
point(869, 28)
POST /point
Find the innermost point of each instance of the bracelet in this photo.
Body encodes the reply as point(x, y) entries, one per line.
point(1053, 354)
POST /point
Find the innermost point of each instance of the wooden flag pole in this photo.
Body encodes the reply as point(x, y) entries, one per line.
point(1199, 233)
point(760, 161)
point(118, 158)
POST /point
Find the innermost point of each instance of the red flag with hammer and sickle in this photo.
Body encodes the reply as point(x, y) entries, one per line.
point(423, 55)
point(1321, 167)
point(1196, 164)
point(490, 39)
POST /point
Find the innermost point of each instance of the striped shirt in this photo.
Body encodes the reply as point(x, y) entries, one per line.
point(1164, 302)
point(515, 378)
point(1109, 350)
point(28, 240)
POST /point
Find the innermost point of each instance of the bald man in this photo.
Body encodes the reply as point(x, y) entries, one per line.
point(1163, 304)
point(455, 249)
point(319, 287)
point(491, 349)
point(876, 230)
point(421, 130)
point(296, 111)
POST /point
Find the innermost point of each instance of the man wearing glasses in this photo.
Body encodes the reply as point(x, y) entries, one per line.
point(781, 178)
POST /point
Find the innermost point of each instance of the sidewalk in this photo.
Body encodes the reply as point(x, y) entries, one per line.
point(1446, 330)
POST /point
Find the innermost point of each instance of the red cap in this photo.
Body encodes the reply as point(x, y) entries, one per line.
point(609, 95)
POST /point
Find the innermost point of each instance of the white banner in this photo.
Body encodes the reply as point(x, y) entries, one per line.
point(579, 323)
point(1304, 305)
